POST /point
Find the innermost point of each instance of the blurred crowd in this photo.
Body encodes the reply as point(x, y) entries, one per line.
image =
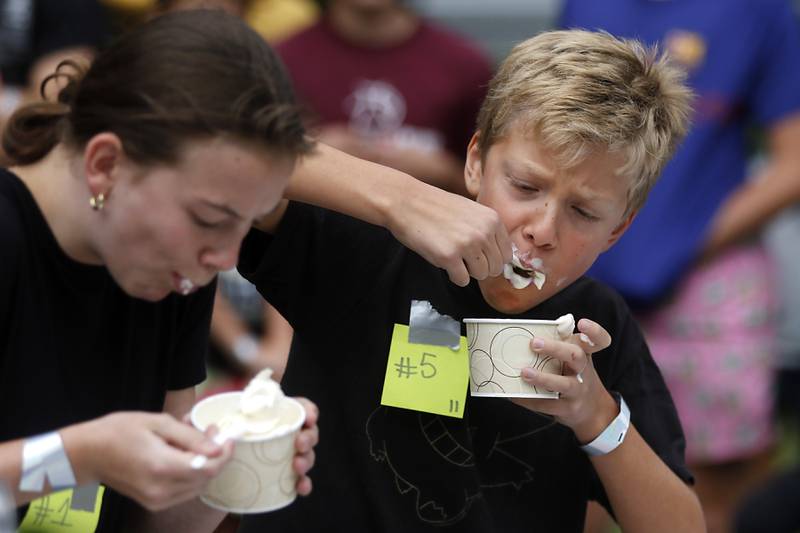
point(709, 265)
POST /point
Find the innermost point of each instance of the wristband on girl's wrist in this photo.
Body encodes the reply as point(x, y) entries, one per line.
point(43, 457)
point(614, 434)
point(245, 348)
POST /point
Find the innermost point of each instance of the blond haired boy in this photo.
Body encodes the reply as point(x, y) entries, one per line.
point(571, 137)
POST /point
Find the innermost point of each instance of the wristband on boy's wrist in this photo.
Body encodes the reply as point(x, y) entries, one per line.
point(245, 348)
point(43, 457)
point(613, 435)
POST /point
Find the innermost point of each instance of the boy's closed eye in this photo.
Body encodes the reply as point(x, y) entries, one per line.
point(583, 213)
point(524, 186)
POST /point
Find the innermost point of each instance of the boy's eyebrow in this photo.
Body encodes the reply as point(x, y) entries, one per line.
point(593, 196)
point(222, 207)
point(527, 168)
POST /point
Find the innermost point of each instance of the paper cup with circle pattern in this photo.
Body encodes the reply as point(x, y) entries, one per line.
point(259, 476)
point(498, 351)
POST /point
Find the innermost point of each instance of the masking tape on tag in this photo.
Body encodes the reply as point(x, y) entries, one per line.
point(427, 326)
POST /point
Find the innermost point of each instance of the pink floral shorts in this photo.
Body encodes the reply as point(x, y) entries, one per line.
point(714, 342)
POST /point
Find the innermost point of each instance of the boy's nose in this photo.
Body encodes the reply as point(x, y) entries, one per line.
point(541, 230)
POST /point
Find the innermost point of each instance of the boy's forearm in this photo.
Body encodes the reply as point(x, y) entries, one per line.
point(439, 168)
point(645, 494)
point(448, 230)
point(337, 181)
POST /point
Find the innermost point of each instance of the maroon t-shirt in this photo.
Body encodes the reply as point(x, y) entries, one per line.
point(424, 93)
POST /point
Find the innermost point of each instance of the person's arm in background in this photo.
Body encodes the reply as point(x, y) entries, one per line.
point(245, 349)
point(275, 342)
point(232, 336)
point(448, 230)
point(775, 187)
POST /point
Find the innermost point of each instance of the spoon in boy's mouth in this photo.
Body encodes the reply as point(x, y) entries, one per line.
point(520, 272)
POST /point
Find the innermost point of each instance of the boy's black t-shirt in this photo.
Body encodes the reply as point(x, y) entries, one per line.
point(73, 345)
point(343, 284)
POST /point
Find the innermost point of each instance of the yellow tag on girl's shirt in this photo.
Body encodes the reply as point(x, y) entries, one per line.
point(423, 377)
point(67, 511)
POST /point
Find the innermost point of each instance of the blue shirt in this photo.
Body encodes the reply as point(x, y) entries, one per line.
point(743, 60)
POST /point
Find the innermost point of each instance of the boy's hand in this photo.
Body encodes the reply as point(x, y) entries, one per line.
point(584, 405)
point(452, 232)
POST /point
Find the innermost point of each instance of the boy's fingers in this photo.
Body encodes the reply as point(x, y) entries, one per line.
point(477, 264)
point(593, 337)
point(458, 273)
point(570, 354)
point(504, 244)
point(495, 259)
point(564, 385)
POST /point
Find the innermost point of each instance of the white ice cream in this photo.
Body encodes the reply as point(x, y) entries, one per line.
point(522, 262)
point(565, 325)
point(259, 412)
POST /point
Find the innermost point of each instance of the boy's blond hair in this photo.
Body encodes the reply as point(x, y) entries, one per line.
point(578, 92)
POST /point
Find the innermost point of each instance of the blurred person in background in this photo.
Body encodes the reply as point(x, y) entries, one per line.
point(773, 507)
point(691, 263)
point(273, 19)
point(385, 85)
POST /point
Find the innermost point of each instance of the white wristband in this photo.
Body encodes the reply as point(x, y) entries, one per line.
point(43, 457)
point(614, 434)
point(245, 348)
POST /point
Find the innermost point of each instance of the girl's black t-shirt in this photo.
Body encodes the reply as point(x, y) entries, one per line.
point(73, 345)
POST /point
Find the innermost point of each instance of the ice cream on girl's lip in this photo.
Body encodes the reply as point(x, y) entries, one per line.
point(183, 285)
point(521, 271)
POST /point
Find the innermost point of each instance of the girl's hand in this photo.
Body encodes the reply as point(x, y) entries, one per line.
point(304, 444)
point(145, 456)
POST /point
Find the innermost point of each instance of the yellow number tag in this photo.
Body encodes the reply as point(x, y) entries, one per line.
point(426, 378)
point(64, 511)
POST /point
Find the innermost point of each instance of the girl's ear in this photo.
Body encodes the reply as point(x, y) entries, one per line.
point(101, 159)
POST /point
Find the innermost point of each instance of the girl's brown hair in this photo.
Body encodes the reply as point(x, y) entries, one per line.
point(184, 75)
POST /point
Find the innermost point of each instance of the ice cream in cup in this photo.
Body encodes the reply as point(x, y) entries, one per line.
point(264, 423)
point(500, 348)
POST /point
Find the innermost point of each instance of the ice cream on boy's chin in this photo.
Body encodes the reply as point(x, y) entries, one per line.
point(522, 270)
point(259, 409)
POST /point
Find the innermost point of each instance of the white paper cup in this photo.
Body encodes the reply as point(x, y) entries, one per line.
point(498, 351)
point(259, 476)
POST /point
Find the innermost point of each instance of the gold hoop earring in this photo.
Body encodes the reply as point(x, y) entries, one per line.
point(97, 202)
